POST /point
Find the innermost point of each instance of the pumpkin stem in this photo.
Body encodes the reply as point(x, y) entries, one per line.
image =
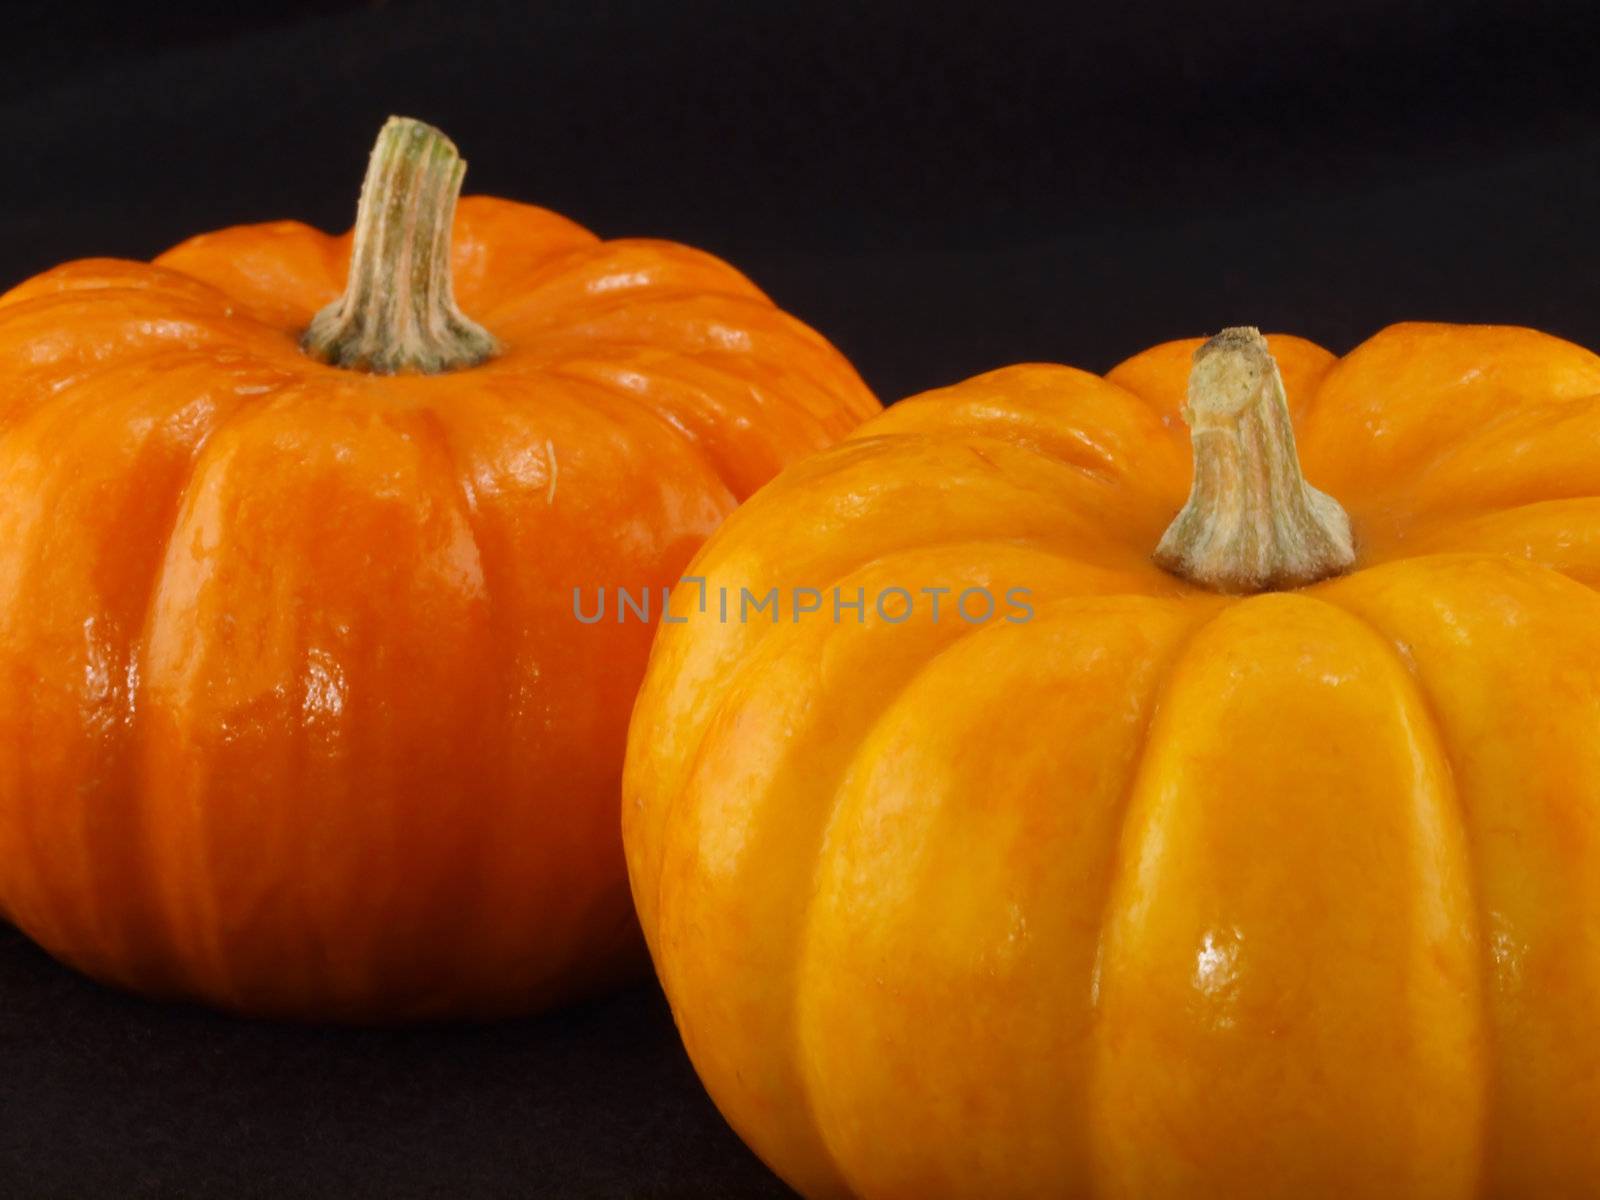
point(398, 311)
point(1252, 522)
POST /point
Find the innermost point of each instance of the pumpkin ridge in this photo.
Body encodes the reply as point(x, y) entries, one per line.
point(827, 797)
point(693, 403)
point(819, 471)
point(230, 422)
point(690, 333)
point(209, 322)
point(433, 420)
point(1471, 873)
point(810, 962)
point(539, 286)
point(141, 639)
point(95, 278)
point(1459, 374)
point(1112, 499)
point(1094, 461)
point(131, 789)
point(755, 654)
point(796, 385)
point(1535, 424)
point(1124, 460)
point(1198, 847)
point(31, 402)
point(672, 807)
point(731, 680)
point(1436, 538)
point(285, 281)
point(223, 916)
point(1544, 822)
point(652, 413)
point(719, 265)
point(626, 405)
point(1118, 864)
point(815, 397)
point(793, 405)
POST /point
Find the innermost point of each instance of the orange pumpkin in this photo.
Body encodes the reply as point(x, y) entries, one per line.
point(1268, 869)
point(295, 714)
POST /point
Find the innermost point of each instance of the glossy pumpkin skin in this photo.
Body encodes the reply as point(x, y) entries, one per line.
point(1161, 893)
point(295, 716)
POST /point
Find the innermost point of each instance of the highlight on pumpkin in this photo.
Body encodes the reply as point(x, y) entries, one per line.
point(398, 311)
point(1252, 522)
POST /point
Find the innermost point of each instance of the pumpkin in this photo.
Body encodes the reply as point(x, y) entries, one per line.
point(295, 714)
point(1253, 849)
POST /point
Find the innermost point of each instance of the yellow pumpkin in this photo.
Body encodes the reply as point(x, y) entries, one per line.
point(1259, 857)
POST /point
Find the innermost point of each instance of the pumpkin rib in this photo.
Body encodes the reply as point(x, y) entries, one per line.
point(117, 324)
point(476, 846)
point(695, 325)
point(814, 467)
point(1411, 391)
point(752, 651)
point(496, 241)
point(1048, 423)
point(1572, 549)
point(1538, 452)
point(1118, 855)
point(477, 843)
point(217, 962)
point(740, 284)
point(752, 648)
point(652, 411)
point(778, 643)
point(1089, 513)
point(1472, 873)
point(841, 379)
point(27, 402)
point(1456, 622)
point(1014, 652)
point(615, 423)
point(824, 472)
point(1303, 968)
point(672, 814)
point(108, 379)
point(94, 278)
point(532, 317)
point(821, 390)
point(542, 295)
point(833, 468)
point(648, 416)
point(798, 397)
point(146, 618)
point(283, 282)
point(213, 741)
point(690, 400)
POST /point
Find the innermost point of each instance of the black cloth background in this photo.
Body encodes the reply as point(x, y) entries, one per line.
point(941, 189)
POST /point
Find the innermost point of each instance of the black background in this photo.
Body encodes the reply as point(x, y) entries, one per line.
point(939, 188)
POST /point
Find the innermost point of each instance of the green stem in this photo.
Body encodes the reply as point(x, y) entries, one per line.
point(398, 311)
point(1252, 522)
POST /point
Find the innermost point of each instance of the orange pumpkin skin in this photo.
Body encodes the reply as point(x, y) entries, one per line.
point(295, 714)
point(1162, 893)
